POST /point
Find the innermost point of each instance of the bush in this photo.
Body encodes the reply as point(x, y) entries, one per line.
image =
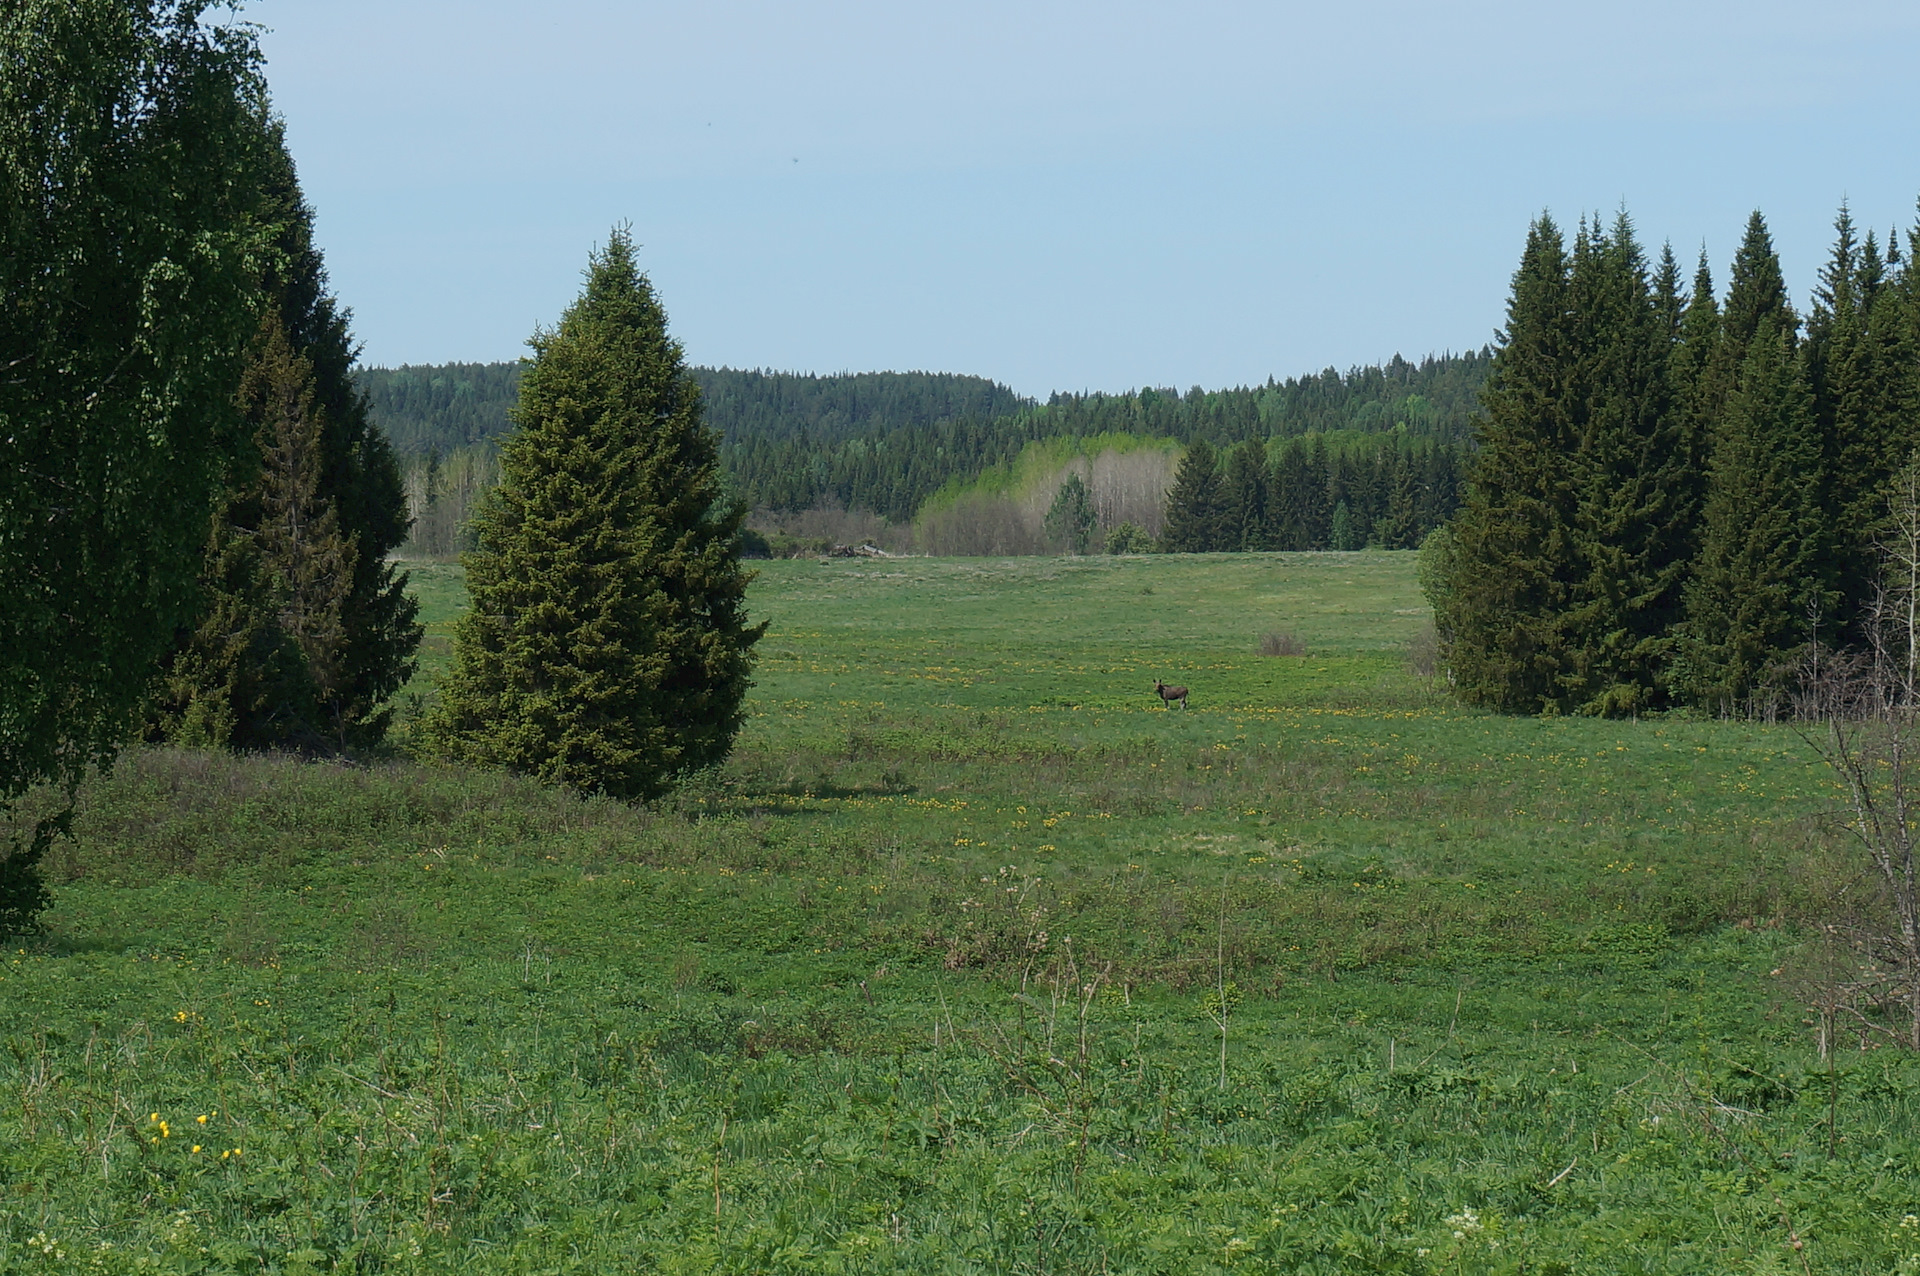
point(1282, 644)
point(1129, 538)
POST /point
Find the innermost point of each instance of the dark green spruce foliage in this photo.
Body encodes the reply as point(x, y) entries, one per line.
point(1630, 526)
point(1071, 519)
point(229, 681)
point(1756, 588)
point(1196, 504)
point(1246, 498)
point(607, 649)
point(1864, 375)
point(1513, 538)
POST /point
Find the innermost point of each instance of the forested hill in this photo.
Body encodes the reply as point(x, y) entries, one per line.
point(461, 405)
point(885, 441)
point(891, 471)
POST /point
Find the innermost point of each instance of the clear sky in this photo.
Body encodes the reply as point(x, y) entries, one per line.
point(1062, 195)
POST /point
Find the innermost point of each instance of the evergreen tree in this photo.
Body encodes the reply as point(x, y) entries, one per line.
point(1342, 534)
point(1512, 540)
point(1749, 598)
point(1400, 528)
point(1196, 504)
point(1070, 520)
point(263, 664)
point(1245, 497)
point(1629, 534)
point(607, 648)
point(1313, 508)
point(363, 651)
point(1864, 375)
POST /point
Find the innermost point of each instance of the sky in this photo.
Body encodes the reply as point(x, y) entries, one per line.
point(1062, 196)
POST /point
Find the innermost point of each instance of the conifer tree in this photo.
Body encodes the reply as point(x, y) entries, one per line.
point(1755, 586)
point(1512, 546)
point(1246, 497)
point(1342, 535)
point(208, 691)
point(1628, 536)
point(263, 664)
point(1864, 376)
point(1196, 503)
point(1310, 497)
point(1070, 519)
point(607, 648)
point(1400, 528)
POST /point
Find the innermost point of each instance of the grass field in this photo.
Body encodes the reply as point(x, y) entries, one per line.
point(973, 959)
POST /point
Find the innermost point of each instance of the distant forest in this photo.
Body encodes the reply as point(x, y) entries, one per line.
point(884, 442)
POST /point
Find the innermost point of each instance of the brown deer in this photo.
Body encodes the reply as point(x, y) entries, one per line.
point(1170, 694)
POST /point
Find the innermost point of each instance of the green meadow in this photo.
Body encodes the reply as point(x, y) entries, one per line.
point(974, 958)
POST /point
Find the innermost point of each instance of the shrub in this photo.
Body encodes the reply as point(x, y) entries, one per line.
point(1282, 644)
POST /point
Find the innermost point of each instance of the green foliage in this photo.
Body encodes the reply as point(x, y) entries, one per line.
point(1511, 538)
point(1754, 589)
point(130, 246)
point(306, 631)
point(1129, 538)
point(1196, 505)
point(607, 648)
point(525, 1030)
point(1070, 519)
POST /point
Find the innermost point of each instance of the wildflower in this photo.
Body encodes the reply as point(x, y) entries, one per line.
point(201, 1119)
point(196, 1149)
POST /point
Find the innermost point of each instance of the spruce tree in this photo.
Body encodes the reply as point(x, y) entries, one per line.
point(607, 648)
point(1862, 371)
point(1400, 528)
point(207, 690)
point(1196, 503)
point(1754, 589)
point(1070, 519)
point(1245, 497)
point(1512, 539)
point(1628, 536)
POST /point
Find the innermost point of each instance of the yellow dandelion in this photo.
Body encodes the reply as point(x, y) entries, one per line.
point(201, 1119)
point(196, 1148)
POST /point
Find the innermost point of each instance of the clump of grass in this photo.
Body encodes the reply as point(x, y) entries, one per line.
point(1282, 643)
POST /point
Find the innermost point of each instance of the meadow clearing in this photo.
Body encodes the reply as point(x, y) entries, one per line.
point(974, 959)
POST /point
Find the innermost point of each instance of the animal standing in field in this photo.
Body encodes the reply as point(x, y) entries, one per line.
point(1170, 694)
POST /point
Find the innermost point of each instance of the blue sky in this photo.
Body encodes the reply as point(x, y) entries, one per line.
point(1062, 195)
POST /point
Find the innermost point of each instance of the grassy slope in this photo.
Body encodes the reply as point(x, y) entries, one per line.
point(930, 977)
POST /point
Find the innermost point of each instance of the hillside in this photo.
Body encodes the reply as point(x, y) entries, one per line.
point(886, 441)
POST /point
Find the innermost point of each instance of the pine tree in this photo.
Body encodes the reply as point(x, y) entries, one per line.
point(1196, 503)
point(607, 648)
point(1512, 551)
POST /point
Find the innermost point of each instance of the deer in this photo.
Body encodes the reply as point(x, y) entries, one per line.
point(1170, 694)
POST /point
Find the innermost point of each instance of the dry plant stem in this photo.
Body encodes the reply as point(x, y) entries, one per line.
point(1220, 975)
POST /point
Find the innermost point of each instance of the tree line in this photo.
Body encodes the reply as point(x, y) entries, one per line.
point(886, 442)
point(1388, 491)
point(1675, 490)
